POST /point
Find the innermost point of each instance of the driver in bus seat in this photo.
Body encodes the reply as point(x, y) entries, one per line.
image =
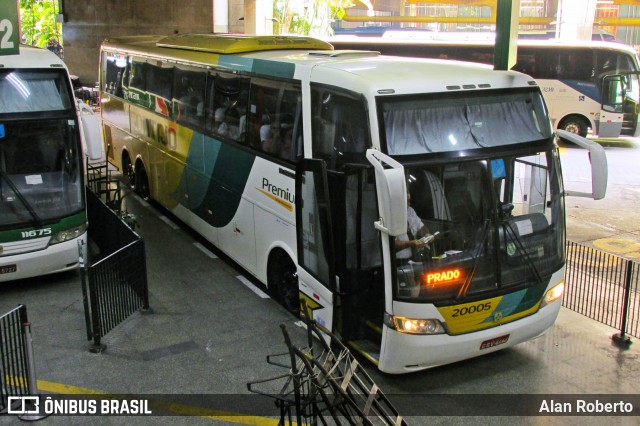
point(416, 230)
point(408, 246)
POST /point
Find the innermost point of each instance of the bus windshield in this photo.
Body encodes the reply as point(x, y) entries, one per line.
point(463, 120)
point(29, 91)
point(486, 227)
point(39, 158)
point(40, 171)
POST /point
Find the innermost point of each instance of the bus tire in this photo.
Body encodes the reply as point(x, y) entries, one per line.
point(282, 279)
point(574, 124)
point(128, 171)
point(142, 183)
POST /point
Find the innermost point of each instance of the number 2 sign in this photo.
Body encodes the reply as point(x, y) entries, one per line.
point(9, 28)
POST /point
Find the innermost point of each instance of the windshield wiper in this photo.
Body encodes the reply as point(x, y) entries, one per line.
point(36, 219)
point(514, 236)
point(476, 259)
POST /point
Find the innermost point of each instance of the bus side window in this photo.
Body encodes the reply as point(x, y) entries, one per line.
point(137, 74)
point(275, 118)
point(113, 72)
point(160, 82)
point(340, 126)
point(575, 66)
point(188, 96)
point(226, 106)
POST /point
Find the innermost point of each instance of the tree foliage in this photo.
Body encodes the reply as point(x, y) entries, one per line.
point(312, 17)
point(38, 22)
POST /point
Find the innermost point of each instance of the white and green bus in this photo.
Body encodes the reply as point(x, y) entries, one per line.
point(43, 137)
point(295, 160)
point(573, 76)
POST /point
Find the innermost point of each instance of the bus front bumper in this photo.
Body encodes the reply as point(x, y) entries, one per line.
point(405, 353)
point(55, 258)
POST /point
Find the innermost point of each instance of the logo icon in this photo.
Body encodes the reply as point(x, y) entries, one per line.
point(497, 316)
point(23, 405)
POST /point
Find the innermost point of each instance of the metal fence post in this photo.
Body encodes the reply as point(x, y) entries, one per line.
point(620, 339)
point(31, 362)
point(85, 294)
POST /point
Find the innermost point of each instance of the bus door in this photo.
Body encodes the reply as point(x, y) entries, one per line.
point(621, 92)
point(391, 190)
point(612, 106)
point(316, 266)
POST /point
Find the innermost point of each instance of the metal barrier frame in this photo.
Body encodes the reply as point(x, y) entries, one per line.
point(603, 287)
point(17, 365)
point(115, 286)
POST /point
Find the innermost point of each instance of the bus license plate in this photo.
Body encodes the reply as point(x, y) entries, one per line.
point(7, 269)
point(494, 342)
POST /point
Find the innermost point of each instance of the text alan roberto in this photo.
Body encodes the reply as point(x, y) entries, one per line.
point(581, 406)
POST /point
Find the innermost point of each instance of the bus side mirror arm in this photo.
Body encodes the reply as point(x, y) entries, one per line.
point(598, 160)
point(391, 188)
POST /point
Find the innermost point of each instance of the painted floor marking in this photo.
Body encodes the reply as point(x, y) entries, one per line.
point(169, 222)
point(205, 250)
point(143, 202)
point(252, 287)
point(181, 409)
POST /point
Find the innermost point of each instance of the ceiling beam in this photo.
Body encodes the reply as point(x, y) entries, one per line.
point(524, 20)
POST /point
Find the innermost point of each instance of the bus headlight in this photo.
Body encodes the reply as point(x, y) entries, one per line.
point(553, 294)
point(69, 234)
point(414, 326)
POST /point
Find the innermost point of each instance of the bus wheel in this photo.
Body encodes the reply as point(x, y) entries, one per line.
point(127, 170)
point(142, 183)
point(283, 278)
point(574, 124)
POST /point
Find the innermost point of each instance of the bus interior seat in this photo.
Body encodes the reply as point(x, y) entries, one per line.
point(461, 204)
point(428, 197)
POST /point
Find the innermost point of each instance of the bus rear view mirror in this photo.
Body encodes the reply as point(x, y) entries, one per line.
point(598, 160)
point(391, 188)
point(91, 132)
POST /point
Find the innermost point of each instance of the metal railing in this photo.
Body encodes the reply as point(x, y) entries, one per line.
point(115, 286)
point(604, 287)
point(17, 367)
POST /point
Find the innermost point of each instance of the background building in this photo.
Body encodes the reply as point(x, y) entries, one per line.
point(85, 23)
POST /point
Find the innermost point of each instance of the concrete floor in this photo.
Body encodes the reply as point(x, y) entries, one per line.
point(209, 334)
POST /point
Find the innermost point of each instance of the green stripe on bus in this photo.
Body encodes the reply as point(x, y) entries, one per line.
point(258, 66)
point(226, 185)
point(520, 301)
point(273, 68)
point(64, 224)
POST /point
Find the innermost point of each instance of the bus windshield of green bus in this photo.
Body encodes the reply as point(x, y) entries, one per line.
point(40, 171)
point(30, 91)
point(463, 120)
point(480, 228)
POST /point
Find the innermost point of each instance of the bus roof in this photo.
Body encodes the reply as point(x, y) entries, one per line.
point(359, 70)
point(223, 44)
point(32, 57)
